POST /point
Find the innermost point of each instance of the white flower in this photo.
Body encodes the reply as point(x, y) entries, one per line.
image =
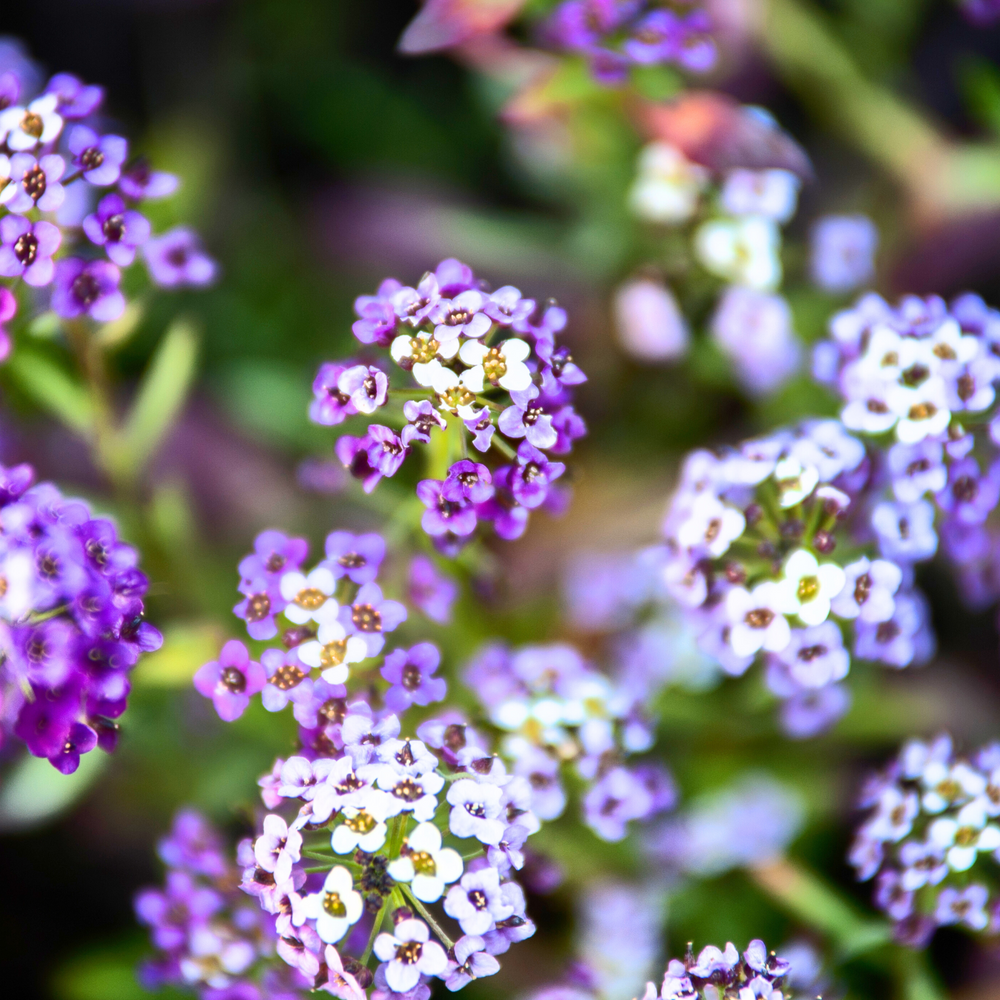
point(743, 251)
point(38, 123)
point(808, 587)
point(948, 785)
point(424, 353)
point(362, 828)
point(712, 526)
point(771, 193)
point(964, 836)
point(410, 954)
point(668, 186)
point(922, 410)
point(757, 620)
point(333, 649)
point(794, 480)
point(336, 908)
point(309, 597)
point(502, 365)
point(426, 865)
point(409, 793)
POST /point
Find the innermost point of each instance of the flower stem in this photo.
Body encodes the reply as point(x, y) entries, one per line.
point(376, 927)
point(502, 447)
point(425, 913)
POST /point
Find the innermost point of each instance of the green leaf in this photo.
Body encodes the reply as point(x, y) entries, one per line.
point(34, 791)
point(186, 647)
point(980, 83)
point(53, 389)
point(161, 395)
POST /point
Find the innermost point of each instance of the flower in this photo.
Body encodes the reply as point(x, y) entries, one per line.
point(330, 406)
point(336, 908)
point(530, 478)
point(98, 158)
point(649, 322)
point(808, 587)
point(365, 386)
point(176, 259)
point(409, 672)
point(28, 248)
point(757, 618)
point(770, 193)
point(37, 183)
point(528, 420)
point(118, 229)
point(37, 124)
point(140, 183)
point(362, 829)
point(277, 848)
point(230, 680)
point(409, 954)
point(444, 516)
point(815, 656)
point(475, 811)
point(407, 793)
point(87, 288)
point(868, 590)
point(963, 836)
point(842, 252)
point(668, 187)
point(356, 557)
point(425, 864)
point(371, 616)
point(470, 962)
point(476, 902)
point(460, 316)
point(429, 591)
point(502, 365)
point(743, 251)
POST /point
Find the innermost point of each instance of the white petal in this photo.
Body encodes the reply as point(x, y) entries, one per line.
point(309, 653)
point(517, 377)
point(815, 612)
point(942, 832)
point(335, 675)
point(427, 888)
point(330, 630)
point(426, 837)
point(291, 584)
point(322, 580)
point(961, 859)
point(449, 865)
point(515, 350)
point(401, 348)
point(344, 840)
point(401, 870)
point(473, 352)
point(297, 615)
point(385, 947)
point(472, 379)
point(356, 650)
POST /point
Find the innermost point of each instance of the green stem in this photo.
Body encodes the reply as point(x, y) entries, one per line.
point(376, 928)
point(426, 914)
point(502, 447)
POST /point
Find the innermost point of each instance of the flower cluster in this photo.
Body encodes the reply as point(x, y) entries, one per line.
point(922, 377)
point(615, 35)
point(480, 363)
point(382, 811)
point(736, 238)
point(931, 839)
point(70, 200)
point(71, 621)
point(554, 708)
point(716, 974)
point(768, 553)
point(207, 934)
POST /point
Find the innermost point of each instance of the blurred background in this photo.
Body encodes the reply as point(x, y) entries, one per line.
point(315, 161)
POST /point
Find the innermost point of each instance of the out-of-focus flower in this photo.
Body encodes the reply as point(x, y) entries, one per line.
point(668, 187)
point(743, 251)
point(177, 259)
point(842, 252)
point(649, 323)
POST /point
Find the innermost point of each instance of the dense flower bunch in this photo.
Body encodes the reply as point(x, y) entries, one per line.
point(717, 974)
point(208, 935)
point(556, 708)
point(615, 35)
point(922, 376)
point(70, 198)
point(931, 840)
point(768, 552)
point(472, 356)
point(71, 621)
point(398, 804)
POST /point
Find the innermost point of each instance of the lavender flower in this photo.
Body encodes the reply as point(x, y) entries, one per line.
point(177, 259)
point(429, 591)
point(27, 249)
point(98, 158)
point(842, 252)
point(230, 680)
point(91, 289)
point(118, 229)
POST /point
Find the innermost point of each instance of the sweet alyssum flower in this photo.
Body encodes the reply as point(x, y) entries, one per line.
point(480, 369)
point(930, 839)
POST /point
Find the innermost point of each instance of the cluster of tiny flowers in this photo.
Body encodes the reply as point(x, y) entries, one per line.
point(71, 621)
point(931, 840)
point(396, 804)
point(922, 377)
point(738, 240)
point(70, 196)
point(767, 555)
point(472, 357)
point(723, 975)
point(208, 935)
point(555, 708)
point(615, 35)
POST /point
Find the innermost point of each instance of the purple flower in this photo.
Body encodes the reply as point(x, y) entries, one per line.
point(371, 616)
point(432, 593)
point(330, 406)
point(98, 158)
point(27, 249)
point(76, 98)
point(383, 991)
point(230, 680)
point(376, 321)
point(365, 386)
point(969, 496)
point(288, 680)
point(444, 516)
point(480, 426)
point(171, 914)
point(453, 276)
point(80, 739)
point(139, 182)
point(903, 639)
point(353, 454)
point(470, 962)
point(118, 229)
point(508, 853)
point(655, 38)
point(467, 482)
point(842, 252)
point(966, 906)
point(410, 674)
point(8, 310)
point(905, 531)
point(917, 469)
point(386, 452)
point(262, 602)
point(422, 417)
point(527, 419)
point(176, 259)
point(476, 901)
point(506, 307)
point(414, 305)
point(476, 810)
point(529, 480)
point(357, 557)
point(87, 288)
point(561, 370)
point(37, 182)
point(274, 554)
point(816, 656)
point(461, 315)
point(44, 721)
point(614, 800)
point(193, 845)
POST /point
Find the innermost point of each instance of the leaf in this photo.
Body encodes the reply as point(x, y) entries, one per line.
point(115, 333)
point(53, 389)
point(161, 396)
point(34, 791)
point(186, 647)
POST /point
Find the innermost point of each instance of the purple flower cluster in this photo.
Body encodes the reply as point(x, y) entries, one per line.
point(924, 373)
point(783, 550)
point(931, 840)
point(723, 973)
point(555, 707)
point(489, 378)
point(207, 935)
point(71, 621)
point(614, 35)
point(70, 200)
